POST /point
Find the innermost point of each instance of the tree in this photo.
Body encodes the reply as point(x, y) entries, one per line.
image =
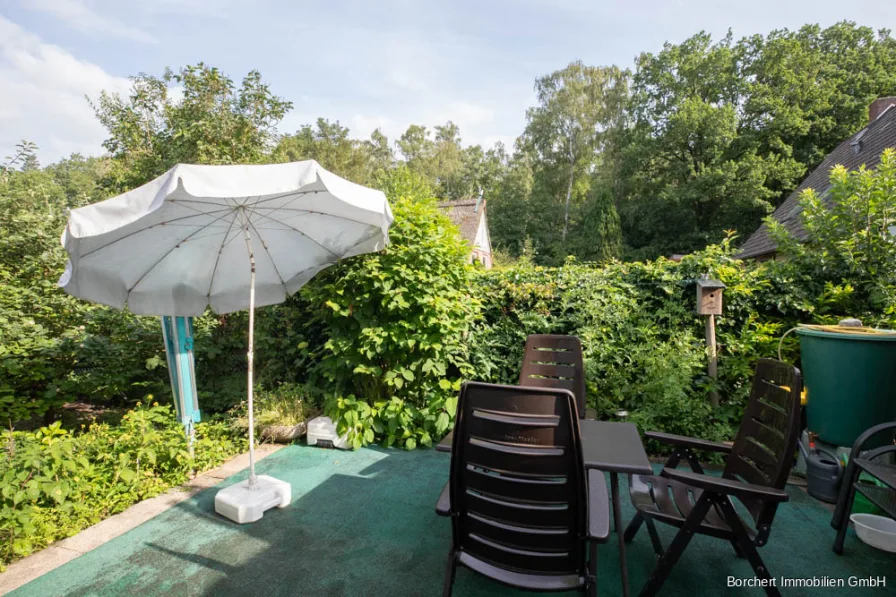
point(329, 143)
point(53, 347)
point(849, 254)
point(810, 89)
point(482, 171)
point(566, 134)
point(381, 156)
point(598, 236)
point(691, 174)
point(723, 131)
point(418, 151)
point(24, 156)
point(509, 214)
point(213, 122)
point(453, 171)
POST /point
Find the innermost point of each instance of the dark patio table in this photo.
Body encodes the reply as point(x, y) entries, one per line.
point(611, 447)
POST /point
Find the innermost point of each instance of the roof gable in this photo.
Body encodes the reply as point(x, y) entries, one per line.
point(863, 148)
point(467, 215)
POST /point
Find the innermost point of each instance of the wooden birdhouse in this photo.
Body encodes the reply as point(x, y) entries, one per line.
point(709, 296)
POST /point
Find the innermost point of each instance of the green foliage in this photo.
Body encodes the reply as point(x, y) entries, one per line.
point(285, 404)
point(453, 171)
point(213, 122)
point(849, 259)
point(561, 204)
point(329, 143)
point(53, 348)
point(642, 338)
point(704, 137)
point(392, 325)
point(692, 174)
point(724, 130)
point(55, 483)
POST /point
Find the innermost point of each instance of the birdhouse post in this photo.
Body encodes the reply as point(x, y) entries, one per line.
point(709, 304)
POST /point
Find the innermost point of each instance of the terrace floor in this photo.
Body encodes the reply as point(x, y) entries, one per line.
point(362, 523)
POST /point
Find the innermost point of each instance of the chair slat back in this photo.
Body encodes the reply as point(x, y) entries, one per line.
point(764, 448)
point(517, 479)
point(555, 361)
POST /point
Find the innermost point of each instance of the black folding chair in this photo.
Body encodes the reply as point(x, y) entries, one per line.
point(555, 361)
point(756, 471)
point(521, 511)
point(864, 460)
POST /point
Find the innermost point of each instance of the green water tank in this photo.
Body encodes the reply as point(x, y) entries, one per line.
point(850, 380)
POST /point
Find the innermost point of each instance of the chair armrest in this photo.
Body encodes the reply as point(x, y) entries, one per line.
point(598, 507)
point(872, 454)
point(688, 442)
point(445, 444)
point(869, 433)
point(727, 486)
point(443, 506)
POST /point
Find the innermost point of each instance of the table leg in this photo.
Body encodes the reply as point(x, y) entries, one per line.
point(617, 521)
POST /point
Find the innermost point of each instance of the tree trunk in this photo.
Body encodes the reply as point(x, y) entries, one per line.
point(572, 171)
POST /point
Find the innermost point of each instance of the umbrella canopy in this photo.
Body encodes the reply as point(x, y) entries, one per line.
point(176, 245)
point(225, 237)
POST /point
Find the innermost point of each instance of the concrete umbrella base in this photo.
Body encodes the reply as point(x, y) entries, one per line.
point(242, 503)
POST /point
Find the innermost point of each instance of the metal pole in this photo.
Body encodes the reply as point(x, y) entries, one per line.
point(252, 478)
point(713, 368)
point(191, 436)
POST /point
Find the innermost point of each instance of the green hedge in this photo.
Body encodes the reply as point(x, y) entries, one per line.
point(642, 338)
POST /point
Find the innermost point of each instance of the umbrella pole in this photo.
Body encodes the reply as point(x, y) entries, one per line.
point(253, 481)
point(247, 503)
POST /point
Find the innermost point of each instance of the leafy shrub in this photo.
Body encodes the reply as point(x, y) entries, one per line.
point(391, 348)
point(55, 348)
point(55, 483)
point(642, 338)
point(848, 264)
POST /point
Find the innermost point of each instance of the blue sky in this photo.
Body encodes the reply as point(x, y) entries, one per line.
point(368, 64)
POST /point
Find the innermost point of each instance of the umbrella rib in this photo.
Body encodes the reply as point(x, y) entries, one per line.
point(200, 202)
point(298, 195)
point(211, 281)
point(192, 226)
point(271, 257)
point(311, 211)
point(331, 252)
point(171, 250)
point(135, 232)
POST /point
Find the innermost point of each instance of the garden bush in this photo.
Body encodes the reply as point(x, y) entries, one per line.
point(389, 329)
point(643, 341)
point(56, 482)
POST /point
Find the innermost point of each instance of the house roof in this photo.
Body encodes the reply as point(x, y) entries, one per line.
point(465, 215)
point(865, 147)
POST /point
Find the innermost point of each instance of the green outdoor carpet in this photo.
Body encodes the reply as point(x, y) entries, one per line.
point(362, 523)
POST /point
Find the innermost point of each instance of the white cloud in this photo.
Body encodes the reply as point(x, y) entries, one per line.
point(470, 113)
point(79, 15)
point(362, 126)
point(43, 97)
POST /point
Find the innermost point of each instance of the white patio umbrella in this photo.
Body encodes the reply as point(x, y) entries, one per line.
point(225, 237)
